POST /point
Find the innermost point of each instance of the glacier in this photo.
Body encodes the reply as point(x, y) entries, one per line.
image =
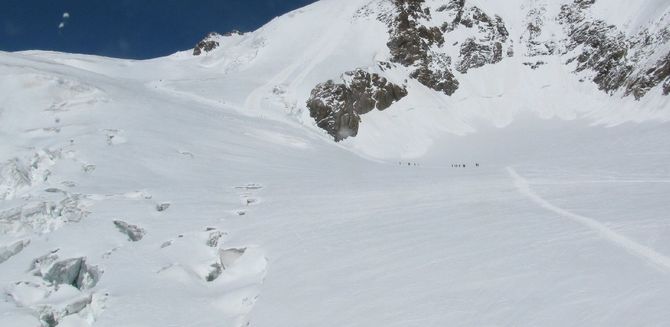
point(198, 190)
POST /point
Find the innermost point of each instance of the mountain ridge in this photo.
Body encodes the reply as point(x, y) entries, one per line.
point(438, 43)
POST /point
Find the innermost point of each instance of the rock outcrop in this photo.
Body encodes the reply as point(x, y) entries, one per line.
point(436, 44)
point(410, 44)
point(337, 107)
point(537, 41)
point(416, 41)
point(209, 43)
point(487, 43)
point(656, 75)
point(618, 60)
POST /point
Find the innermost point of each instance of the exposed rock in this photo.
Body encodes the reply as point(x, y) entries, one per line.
point(440, 80)
point(614, 60)
point(413, 44)
point(209, 43)
point(410, 45)
point(233, 32)
point(641, 84)
point(489, 35)
point(330, 105)
point(534, 65)
point(533, 38)
point(410, 41)
point(474, 54)
point(134, 232)
point(337, 107)
point(619, 61)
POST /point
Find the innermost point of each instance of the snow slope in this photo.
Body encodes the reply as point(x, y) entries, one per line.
point(197, 191)
point(271, 75)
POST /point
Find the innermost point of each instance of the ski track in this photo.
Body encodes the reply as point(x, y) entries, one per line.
point(657, 259)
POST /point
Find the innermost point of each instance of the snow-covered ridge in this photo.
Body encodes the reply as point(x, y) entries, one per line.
point(484, 64)
point(535, 49)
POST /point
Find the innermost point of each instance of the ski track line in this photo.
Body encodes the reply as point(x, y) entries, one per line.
point(639, 250)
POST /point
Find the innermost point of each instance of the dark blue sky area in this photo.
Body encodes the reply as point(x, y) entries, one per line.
point(135, 29)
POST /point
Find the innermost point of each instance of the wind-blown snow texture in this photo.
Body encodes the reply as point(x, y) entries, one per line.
point(199, 190)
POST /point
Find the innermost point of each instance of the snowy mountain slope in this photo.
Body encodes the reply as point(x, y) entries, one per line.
point(198, 191)
point(539, 71)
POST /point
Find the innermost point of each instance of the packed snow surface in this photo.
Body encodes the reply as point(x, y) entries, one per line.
point(196, 191)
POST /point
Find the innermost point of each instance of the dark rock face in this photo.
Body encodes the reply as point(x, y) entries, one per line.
point(337, 108)
point(534, 65)
point(207, 44)
point(535, 46)
point(413, 44)
point(419, 35)
point(486, 45)
point(410, 41)
point(475, 55)
point(331, 107)
point(641, 84)
point(410, 44)
point(604, 48)
point(618, 60)
point(442, 81)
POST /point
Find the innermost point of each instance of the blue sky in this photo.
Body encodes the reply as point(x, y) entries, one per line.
point(135, 29)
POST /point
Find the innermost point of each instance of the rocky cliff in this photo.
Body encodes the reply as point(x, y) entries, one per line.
point(438, 42)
